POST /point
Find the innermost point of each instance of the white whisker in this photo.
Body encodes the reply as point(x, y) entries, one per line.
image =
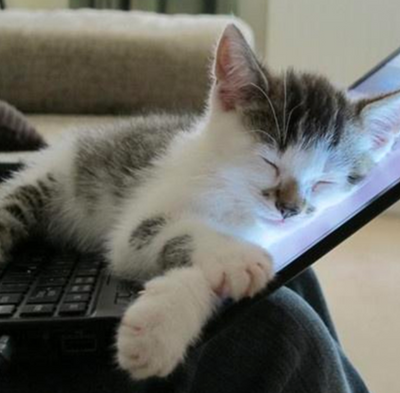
point(265, 133)
point(284, 107)
point(289, 118)
point(270, 104)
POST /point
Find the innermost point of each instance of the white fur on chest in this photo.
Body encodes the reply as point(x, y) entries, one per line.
point(197, 177)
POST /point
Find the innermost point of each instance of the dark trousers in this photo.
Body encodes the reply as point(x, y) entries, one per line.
point(283, 343)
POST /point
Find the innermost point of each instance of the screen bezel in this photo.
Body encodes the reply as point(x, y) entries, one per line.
point(351, 225)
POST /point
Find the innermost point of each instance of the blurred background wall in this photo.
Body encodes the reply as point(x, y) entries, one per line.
point(341, 38)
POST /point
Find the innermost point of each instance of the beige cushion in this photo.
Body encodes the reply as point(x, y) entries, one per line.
point(106, 62)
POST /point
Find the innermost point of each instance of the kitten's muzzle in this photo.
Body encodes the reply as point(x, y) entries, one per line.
point(287, 210)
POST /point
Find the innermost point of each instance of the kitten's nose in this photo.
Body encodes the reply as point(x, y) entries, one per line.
point(287, 210)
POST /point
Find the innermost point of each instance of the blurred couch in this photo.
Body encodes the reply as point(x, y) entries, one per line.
point(72, 68)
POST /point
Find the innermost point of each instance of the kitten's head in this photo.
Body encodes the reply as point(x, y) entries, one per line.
point(306, 142)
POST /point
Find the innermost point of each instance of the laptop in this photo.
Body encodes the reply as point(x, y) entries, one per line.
point(58, 303)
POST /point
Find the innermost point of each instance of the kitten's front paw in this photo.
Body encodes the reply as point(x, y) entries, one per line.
point(157, 329)
point(144, 344)
point(237, 270)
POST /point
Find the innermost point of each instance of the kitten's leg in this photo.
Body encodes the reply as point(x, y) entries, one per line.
point(149, 340)
point(157, 329)
point(23, 206)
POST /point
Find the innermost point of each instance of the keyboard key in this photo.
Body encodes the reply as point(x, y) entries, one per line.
point(72, 308)
point(77, 297)
point(23, 267)
point(64, 262)
point(53, 272)
point(30, 270)
point(10, 298)
point(124, 301)
point(80, 288)
point(39, 310)
point(89, 264)
point(6, 310)
point(67, 257)
point(128, 288)
point(14, 288)
point(32, 259)
point(16, 279)
point(84, 280)
point(52, 281)
point(62, 265)
point(86, 272)
point(45, 295)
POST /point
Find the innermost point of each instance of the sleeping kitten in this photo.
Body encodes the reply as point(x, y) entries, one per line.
point(183, 201)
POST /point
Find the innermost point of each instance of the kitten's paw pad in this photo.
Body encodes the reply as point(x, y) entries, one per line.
point(242, 271)
point(146, 343)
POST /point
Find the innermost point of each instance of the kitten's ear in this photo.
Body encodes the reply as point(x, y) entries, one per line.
point(236, 69)
point(381, 119)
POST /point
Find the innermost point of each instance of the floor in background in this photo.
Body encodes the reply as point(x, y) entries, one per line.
point(361, 280)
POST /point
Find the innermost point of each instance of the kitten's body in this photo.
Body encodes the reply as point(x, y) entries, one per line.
point(185, 199)
point(98, 177)
point(99, 187)
point(166, 206)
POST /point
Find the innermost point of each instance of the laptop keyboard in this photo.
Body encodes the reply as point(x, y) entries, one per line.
point(36, 284)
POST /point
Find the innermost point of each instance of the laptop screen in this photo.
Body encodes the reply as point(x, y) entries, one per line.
point(289, 244)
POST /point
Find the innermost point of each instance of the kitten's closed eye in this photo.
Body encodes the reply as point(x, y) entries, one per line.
point(274, 166)
point(355, 178)
point(318, 186)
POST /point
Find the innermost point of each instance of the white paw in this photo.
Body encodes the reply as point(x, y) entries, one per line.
point(157, 329)
point(145, 343)
point(237, 269)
